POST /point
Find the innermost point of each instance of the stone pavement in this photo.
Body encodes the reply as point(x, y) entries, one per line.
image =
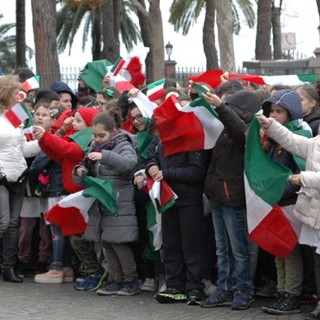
point(60, 301)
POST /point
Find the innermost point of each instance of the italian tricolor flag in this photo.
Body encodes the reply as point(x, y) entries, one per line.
point(269, 224)
point(162, 198)
point(71, 213)
point(17, 115)
point(31, 84)
point(186, 128)
point(289, 80)
point(155, 90)
point(212, 78)
point(130, 69)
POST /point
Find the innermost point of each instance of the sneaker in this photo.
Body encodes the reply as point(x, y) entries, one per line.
point(68, 274)
point(217, 299)
point(111, 288)
point(171, 295)
point(289, 304)
point(314, 315)
point(268, 291)
point(130, 288)
point(78, 284)
point(241, 300)
point(149, 285)
point(52, 276)
point(94, 281)
point(277, 299)
point(22, 269)
point(194, 297)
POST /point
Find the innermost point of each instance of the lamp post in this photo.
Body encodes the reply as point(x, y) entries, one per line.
point(169, 48)
point(170, 65)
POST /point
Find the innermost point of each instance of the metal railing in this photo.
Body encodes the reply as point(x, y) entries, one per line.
point(69, 75)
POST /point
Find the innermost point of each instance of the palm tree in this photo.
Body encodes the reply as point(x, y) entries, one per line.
point(7, 48)
point(183, 13)
point(105, 19)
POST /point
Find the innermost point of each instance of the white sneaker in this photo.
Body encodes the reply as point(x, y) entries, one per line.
point(149, 285)
point(162, 283)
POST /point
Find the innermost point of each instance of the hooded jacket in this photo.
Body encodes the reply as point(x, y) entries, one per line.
point(60, 87)
point(291, 101)
point(224, 180)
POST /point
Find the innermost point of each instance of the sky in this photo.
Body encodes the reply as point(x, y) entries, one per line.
point(300, 17)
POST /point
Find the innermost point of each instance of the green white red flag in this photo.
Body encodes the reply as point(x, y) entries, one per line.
point(17, 115)
point(269, 225)
point(162, 198)
point(155, 90)
point(71, 213)
point(186, 128)
point(212, 78)
point(130, 69)
point(289, 80)
point(31, 84)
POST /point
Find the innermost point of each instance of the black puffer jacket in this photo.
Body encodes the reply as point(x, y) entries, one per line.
point(224, 180)
point(184, 172)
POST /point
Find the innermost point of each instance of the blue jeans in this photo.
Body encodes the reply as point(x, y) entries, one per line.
point(232, 248)
point(61, 249)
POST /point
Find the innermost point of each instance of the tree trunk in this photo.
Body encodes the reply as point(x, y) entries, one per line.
point(20, 34)
point(44, 28)
point(263, 47)
point(276, 32)
point(96, 34)
point(110, 11)
point(225, 35)
point(208, 36)
point(152, 37)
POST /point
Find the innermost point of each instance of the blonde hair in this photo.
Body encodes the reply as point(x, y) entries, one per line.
point(8, 84)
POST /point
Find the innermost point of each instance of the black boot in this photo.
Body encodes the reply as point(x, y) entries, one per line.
point(9, 275)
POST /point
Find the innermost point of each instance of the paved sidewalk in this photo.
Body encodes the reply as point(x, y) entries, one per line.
point(31, 301)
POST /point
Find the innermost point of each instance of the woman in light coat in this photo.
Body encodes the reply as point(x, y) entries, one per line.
point(14, 148)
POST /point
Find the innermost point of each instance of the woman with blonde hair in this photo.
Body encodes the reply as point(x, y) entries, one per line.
point(14, 148)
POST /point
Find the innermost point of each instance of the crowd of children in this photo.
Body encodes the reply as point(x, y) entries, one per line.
point(101, 140)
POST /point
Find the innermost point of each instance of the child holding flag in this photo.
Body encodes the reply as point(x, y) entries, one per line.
point(285, 107)
point(307, 206)
point(112, 159)
point(68, 151)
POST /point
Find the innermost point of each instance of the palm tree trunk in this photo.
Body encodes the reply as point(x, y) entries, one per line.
point(225, 35)
point(263, 47)
point(208, 37)
point(20, 34)
point(44, 28)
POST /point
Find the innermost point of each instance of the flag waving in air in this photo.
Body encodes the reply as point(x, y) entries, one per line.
point(186, 128)
point(130, 69)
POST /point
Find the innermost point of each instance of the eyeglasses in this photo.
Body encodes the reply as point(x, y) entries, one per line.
point(138, 117)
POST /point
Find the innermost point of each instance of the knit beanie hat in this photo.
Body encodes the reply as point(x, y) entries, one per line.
point(88, 114)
